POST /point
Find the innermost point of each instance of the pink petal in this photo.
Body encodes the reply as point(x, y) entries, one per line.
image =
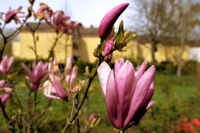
point(141, 70)
point(111, 99)
point(57, 83)
point(148, 96)
point(68, 70)
point(124, 81)
point(28, 72)
point(74, 75)
point(8, 90)
point(4, 98)
point(150, 104)
point(57, 18)
point(140, 92)
point(103, 73)
point(10, 62)
point(118, 65)
point(47, 90)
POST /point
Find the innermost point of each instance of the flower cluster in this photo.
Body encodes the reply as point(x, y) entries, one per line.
point(186, 126)
point(36, 74)
point(54, 86)
point(13, 15)
point(44, 12)
point(63, 23)
point(5, 91)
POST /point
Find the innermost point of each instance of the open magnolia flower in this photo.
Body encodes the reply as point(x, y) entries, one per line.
point(54, 86)
point(12, 15)
point(44, 11)
point(6, 64)
point(5, 92)
point(126, 92)
point(49, 90)
point(58, 19)
point(36, 74)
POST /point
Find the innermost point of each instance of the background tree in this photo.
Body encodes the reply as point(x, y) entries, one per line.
point(170, 22)
point(151, 19)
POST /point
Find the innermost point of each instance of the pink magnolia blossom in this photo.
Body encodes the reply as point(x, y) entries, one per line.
point(56, 80)
point(36, 74)
point(6, 64)
point(68, 26)
point(109, 19)
point(54, 86)
point(71, 72)
point(59, 18)
point(48, 90)
point(44, 12)
point(4, 96)
point(12, 15)
point(109, 46)
point(126, 91)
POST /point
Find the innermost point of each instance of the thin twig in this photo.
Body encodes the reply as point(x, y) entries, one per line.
point(58, 36)
point(10, 122)
point(69, 123)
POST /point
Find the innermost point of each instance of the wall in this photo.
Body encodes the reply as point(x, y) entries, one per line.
point(84, 48)
point(22, 49)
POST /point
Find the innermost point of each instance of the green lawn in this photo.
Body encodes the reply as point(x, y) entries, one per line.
point(174, 99)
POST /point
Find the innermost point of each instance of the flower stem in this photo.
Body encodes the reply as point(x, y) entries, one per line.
point(69, 123)
point(10, 123)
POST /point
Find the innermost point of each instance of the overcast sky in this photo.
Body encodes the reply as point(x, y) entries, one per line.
point(88, 12)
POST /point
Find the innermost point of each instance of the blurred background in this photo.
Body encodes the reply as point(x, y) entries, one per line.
point(168, 36)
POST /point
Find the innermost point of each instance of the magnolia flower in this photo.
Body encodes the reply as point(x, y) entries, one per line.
point(12, 15)
point(69, 25)
point(54, 86)
point(109, 19)
point(4, 96)
point(44, 12)
point(126, 91)
point(48, 90)
point(59, 18)
point(6, 64)
point(37, 74)
point(56, 80)
point(71, 72)
point(108, 47)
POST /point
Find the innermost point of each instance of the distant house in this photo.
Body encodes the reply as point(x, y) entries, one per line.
point(82, 46)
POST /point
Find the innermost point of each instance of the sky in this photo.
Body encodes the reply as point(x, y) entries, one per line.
point(88, 12)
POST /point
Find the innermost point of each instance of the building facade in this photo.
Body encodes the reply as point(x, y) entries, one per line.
point(82, 46)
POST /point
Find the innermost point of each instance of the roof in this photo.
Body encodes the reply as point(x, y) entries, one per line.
point(46, 27)
point(41, 27)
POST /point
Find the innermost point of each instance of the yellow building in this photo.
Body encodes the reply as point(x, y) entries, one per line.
point(82, 47)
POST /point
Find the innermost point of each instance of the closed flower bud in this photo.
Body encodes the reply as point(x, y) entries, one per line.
point(109, 20)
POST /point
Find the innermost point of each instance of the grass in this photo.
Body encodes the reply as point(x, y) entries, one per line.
point(171, 93)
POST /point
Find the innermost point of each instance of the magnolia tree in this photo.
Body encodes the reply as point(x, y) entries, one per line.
point(127, 92)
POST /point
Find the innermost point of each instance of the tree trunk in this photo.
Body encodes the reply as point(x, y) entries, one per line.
point(179, 59)
point(153, 50)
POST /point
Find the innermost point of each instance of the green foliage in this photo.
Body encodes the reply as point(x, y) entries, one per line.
point(175, 98)
point(190, 67)
point(82, 66)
